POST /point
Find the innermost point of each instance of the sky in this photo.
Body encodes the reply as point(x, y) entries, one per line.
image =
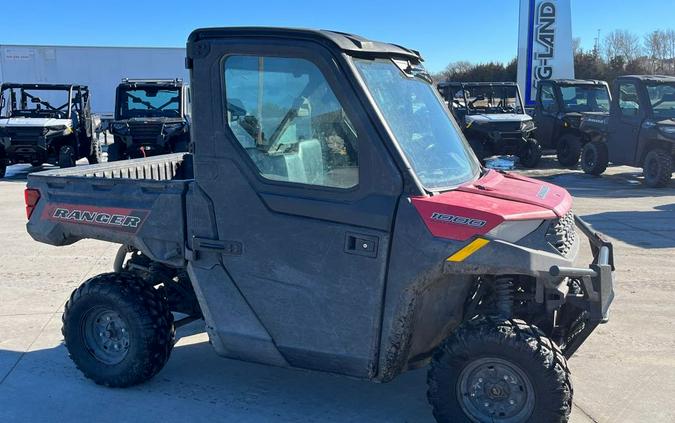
point(443, 31)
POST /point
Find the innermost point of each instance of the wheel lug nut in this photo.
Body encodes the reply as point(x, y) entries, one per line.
point(487, 404)
point(100, 334)
point(512, 402)
point(480, 380)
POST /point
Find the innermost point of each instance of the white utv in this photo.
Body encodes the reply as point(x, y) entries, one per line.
point(46, 123)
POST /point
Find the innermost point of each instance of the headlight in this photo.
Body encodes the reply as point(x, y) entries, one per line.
point(527, 125)
point(668, 131)
point(171, 127)
point(514, 230)
point(120, 127)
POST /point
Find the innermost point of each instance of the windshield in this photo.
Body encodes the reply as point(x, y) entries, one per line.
point(484, 99)
point(35, 103)
point(149, 102)
point(429, 138)
point(585, 98)
point(662, 98)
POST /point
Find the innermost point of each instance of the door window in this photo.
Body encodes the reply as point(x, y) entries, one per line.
point(289, 121)
point(547, 98)
point(629, 102)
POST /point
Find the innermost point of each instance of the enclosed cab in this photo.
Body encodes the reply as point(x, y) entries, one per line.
point(638, 130)
point(331, 217)
point(152, 116)
point(493, 119)
point(46, 123)
point(557, 114)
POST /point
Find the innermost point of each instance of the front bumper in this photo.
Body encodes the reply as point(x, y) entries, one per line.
point(598, 286)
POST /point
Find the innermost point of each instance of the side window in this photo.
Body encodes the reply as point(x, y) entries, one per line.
point(629, 102)
point(547, 98)
point(285, 115)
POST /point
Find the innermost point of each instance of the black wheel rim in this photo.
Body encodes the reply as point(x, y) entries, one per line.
point(495, 390)
point(106, 335)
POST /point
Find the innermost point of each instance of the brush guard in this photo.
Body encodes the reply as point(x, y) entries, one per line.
point(598, 286)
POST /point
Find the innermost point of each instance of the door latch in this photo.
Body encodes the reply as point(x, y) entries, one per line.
point(363, 245)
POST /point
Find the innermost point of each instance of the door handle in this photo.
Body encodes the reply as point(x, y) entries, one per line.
point(360, 244)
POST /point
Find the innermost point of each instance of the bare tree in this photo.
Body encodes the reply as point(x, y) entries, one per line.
point(656, 48)
point(622, 42)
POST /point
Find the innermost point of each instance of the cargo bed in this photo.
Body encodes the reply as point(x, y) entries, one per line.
point(134, 202)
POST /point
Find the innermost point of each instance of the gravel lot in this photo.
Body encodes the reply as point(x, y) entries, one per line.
point(624, 373)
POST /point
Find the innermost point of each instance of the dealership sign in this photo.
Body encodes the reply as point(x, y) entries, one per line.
point(544, 44)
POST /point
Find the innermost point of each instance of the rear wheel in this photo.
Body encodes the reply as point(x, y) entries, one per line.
point(496, 370)
point(66, 157)
point(658, 168)
point(3, 170)
point(569, 150)
point(36, 163)
point(118, 329)
point(530, 153)
point(95, 156)
point(594, 158)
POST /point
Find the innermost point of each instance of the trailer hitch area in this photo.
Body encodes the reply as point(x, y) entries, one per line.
point(597, 278)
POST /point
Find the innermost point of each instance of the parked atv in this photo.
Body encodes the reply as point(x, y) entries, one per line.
point(342, 224)
point(151, 117)
point(638, 130)
point(46, 123)
point(557, 114)
point(493, 119)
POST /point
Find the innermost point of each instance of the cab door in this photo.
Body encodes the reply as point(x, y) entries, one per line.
point(546, 111)
point(625, 122)
point(303, 194)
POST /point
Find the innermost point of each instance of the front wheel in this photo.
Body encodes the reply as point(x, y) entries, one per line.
point(569, 150)
point(118, 329)
point(658, 168)
point(495, 370)
point(115, 152)
point(530, 153)
point(66, 157)
point(594, 158)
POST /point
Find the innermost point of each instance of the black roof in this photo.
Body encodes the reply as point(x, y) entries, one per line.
point(44, 86)
point(346, 42)
point(476, 84)
point(174, 83)
point(650, 78)
point(579, 82)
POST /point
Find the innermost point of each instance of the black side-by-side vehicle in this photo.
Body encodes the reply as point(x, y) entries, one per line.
point(152, 116)
point(331, 217)
point(557, 114)
point(638, 130)
point(46, 123)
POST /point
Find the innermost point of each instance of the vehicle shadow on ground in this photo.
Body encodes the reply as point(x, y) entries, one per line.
point(646, 229)
point(618, 185)
point(198, 383)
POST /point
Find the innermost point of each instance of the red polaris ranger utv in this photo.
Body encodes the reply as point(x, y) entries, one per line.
point(332, 217)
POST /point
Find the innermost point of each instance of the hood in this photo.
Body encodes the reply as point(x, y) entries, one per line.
point(498, 117)
point(152, 120)
point(478, 207)
point(26, 122)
